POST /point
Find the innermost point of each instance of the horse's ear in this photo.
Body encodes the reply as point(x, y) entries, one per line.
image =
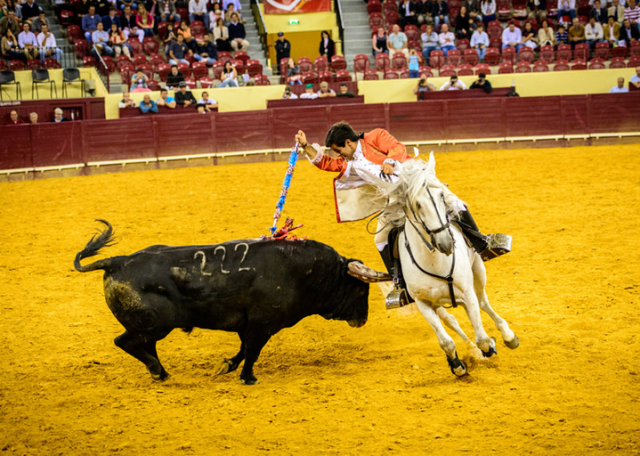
point(431, 165)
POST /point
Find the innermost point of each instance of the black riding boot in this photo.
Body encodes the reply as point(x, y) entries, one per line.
point(489, 246)
point(399, 296)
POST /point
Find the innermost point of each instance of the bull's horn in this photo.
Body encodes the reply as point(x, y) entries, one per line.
point(366, 274)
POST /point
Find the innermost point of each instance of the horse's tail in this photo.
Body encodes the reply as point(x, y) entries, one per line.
point(103, 239)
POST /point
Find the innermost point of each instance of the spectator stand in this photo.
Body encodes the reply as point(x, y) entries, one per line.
point(74, 90)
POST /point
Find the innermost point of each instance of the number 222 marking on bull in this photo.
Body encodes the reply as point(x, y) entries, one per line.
point(224, 254)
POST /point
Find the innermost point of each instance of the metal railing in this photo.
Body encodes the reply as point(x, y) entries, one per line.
point(262, 25)
point(340, 18)
point(104, 65)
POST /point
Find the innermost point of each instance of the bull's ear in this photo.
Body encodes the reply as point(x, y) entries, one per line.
point(366, 274)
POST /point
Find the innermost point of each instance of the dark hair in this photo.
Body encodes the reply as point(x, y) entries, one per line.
point(339, 133)
point(343, 84)
point(482, 76)
point(225, 65)
point(138, 70)
point(164, 89)
point(323, 32)
point(611, 17)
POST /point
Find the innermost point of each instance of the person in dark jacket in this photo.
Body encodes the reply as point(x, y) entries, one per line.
point(482, 83)
point(184, 97)
point(327, 46)
point(237, 34)
point(440, 13)
point(174, 78)
point(283, 48)
point(407, 13)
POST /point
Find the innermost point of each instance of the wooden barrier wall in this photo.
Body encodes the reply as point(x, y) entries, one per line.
point(32, 148)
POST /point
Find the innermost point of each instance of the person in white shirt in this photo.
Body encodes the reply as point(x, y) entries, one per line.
point(453, 84)
point(309, 93)
point(567, 8)
point(288, 95)
point(47, 45)
point(207, 102)
point(488, 8)
point(480, 41)
point(620, 88)
point(100, 40)
point(28, 42)
point(447, 40)
point(594, 32)
point(512, 37)
point(198, 12)
point(635, 79)
point(237, 7)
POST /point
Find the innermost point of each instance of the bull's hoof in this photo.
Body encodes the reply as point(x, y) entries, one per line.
point(161, 377)
point(489, 353)
point(225, 367)
point(250, 381)
point(513, 343)
point(457, 366)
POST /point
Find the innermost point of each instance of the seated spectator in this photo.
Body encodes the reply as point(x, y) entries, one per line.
point(111, 18)
point(38, 22)
point(635, 79)
point(423, 11)
point(512, 37)
point(221, 36)
point(166, 12)
point(620, 88)
point(166, 100)
point(345, 92)
point(480, 41)
point(229, 75)
point(440, 13)
point(130, 26)
point(139, 80)
point(576, 33)
point(562, 36)
point(185, 31)
point(10, 22)
point(453, 84)
point(237, 34)
point(379, 42)
point(169, 37)
point(145, 20)
point(207, 102)
point(632, 12)
point(10, 48)
point(473, 9)
point(229, 11)
point(617, 11)
point(126, 101)
point(325, 91)
point(293, 73)
point(546, 36)
point(414, 64)
point(58, 117)
point(198, 12)
point(90, 23)
point(423, 87)
point(28, 42)
point(482, 83)
point(537, 9)
point(233, 5)
point(82, 9)
point(529, 36)
point(148, 105)
point(47, 45)
point(488, 8)
point(430, 42)
point(397, 41)
point(29, 10)
point(309, 93)
point(628, 33)
point(447, 40)
point(201, 109)
point(215, 14)
point(100, 40)
point(14, 119)
point(178, 51)
point(174, 78)
point(184, 97)
point(118, 42)
point(407, 13)
point(33, 117)
point(598, 13)
point(207, 51)
point(593, 32)
point(128, 4)
point(566, 8)
point(611, 31)
point(463, 27)
point(288, 95)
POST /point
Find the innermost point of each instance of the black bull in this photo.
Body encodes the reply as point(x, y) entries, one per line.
point(252, 287)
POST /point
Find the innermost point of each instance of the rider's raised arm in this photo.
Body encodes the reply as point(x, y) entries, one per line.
point(318, 158)
point(383, 141)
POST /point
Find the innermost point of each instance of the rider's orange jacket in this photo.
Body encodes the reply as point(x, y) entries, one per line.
point(377, 146)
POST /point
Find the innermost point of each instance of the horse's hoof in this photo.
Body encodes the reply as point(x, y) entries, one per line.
point(251, 381)
point(513, 343)
point(489, 353)
point(224, 367)
point(457, 366)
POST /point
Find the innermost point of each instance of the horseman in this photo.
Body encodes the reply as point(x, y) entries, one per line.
point(363, 161)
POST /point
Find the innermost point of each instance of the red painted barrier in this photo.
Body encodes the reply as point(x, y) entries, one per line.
point(151, 137)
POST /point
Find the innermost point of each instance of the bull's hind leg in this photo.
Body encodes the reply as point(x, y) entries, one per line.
point(143, 348)
point(229, 365)
point(479, 282)
point(458, 367)
point(255, 339)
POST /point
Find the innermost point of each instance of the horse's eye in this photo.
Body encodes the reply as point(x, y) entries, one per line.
point(418, 206)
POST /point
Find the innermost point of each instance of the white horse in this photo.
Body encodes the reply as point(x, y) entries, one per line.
point(437, 263)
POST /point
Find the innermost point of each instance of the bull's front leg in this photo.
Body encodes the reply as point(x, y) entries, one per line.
point(230, 365)
point(255, 340)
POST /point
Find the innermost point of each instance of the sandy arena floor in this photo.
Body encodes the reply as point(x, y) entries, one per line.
point(569, 290)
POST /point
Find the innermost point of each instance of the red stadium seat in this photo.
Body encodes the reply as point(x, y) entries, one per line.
point(415, 44)
point(123, 60)
point(483, 68)
point(200, 70)
point(126, 73)
point(33, 64)
point(619, 51)
point(374, 7)
point(153, 85)
point(163, 71)
point(206, 82)
point(81, 48)
point(310, 78)
point(425, 71)
point(494, 30)
point(136, 45)
point(470, 57)
point(371, 75)
point(240, 67)
point(547, 54)
point(156, 60)
point(218, 69)
point(454, 57)
point(343, 76)
point(191, 83)
point(146, 68)
point(509, 55)
point(223, 56)
point(67, 18)
point(581, 51)
point(495, 43)
point(51, 64)
point(436, 59)
point(197, 28)
point(523, 67)
point(338, 63)
point(503, 8)
point(492, 56)
point(390, 7)
point(462, 45)
point(325, 76)
point(382, 62)
point(404, 73)
point(411, 31)
point(596, 65)
point(262, 80)
point(505, 68)
point(375, 21)
point(162, 29)
point(398, 61)
point(283, 69)
point(86, 62)
point(634, 61)
point(540, 66)
point(526, 55)
point(185, 69)
point(391, 74)
point(564, 52)
point(391, 18)
point(140, 59)
point(465, 70)
point(634, 49)
point(321, 63)
point(74, 32)
point(150, 45)
point(242, 55)
point(559, 66)
point(579, 64)
point(305, 65)
point(603, 51)
point(361, 63)
point(254, 67)
point(447, 70)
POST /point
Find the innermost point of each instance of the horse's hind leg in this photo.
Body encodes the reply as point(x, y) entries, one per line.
point(473, 312)
point(479, 282)
point(143, 348)
point(458, 367)
point(451, 323)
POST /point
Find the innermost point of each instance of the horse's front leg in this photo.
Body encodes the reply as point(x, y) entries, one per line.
point(458, 367)
point(451, 323)
point(483, 341)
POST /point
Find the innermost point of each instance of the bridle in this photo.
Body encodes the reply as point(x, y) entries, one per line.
point(444, 226)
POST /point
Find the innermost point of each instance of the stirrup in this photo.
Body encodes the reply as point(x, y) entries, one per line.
point(397, 298)
point(498, 244)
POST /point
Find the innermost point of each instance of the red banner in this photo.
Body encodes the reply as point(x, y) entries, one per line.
point(296, 6)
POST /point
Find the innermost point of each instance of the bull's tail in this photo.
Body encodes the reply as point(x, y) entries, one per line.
point(98, 241)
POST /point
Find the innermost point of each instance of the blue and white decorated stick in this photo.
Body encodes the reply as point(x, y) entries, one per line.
point(293, 158)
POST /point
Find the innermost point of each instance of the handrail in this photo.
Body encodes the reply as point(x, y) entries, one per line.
point(106, 68)
point(338, 8)
point(261, 23)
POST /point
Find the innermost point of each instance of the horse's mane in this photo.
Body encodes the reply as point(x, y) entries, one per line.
point(415, 175)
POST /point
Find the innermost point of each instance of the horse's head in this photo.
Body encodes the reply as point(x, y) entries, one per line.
point(419, 199)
